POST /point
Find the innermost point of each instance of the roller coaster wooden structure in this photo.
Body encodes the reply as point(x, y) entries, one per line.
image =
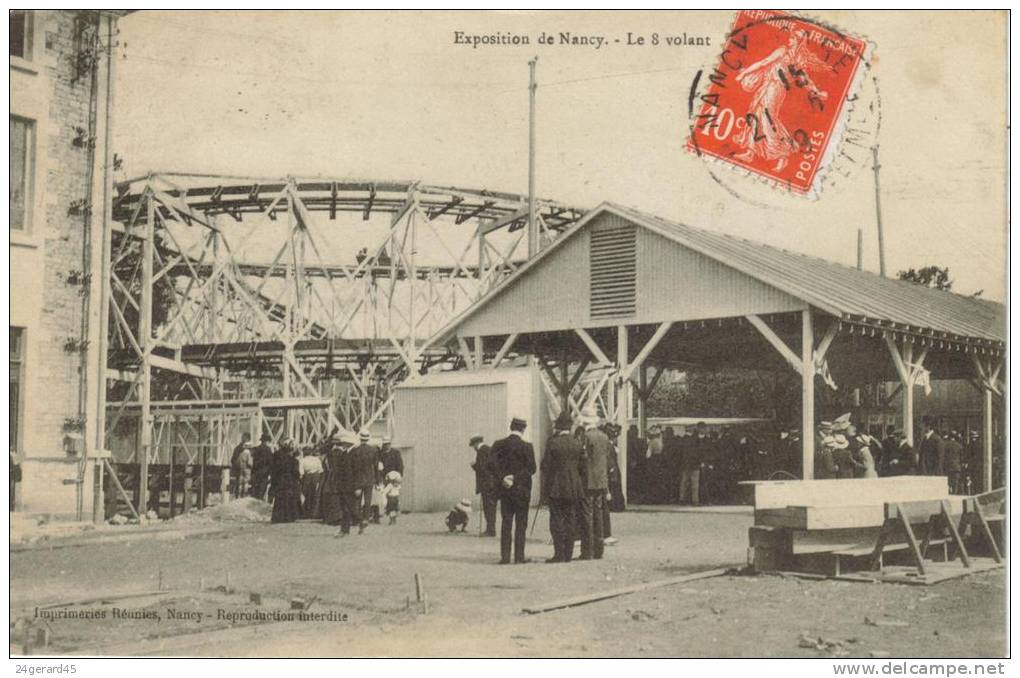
point(204, 344)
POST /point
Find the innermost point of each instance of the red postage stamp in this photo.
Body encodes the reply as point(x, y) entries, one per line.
point(774, 103)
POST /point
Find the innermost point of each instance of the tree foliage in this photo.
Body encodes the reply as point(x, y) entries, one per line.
point(930, 276)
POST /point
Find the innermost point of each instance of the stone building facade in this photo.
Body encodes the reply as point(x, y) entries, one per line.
point(61, 69)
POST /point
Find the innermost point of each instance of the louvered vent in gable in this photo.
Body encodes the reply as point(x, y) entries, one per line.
point(613, 272)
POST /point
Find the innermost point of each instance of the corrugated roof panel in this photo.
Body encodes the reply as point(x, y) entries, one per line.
point(826, 285)
point(834, 287)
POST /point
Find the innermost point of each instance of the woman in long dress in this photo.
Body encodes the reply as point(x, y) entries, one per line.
point(286, 489)
point(331, 506)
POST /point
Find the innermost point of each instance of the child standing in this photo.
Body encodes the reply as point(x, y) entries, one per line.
point(391, 491)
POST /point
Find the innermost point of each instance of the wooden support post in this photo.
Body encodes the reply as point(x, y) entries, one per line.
point(170, 481)
point(642, 401)
point(640, 358)
point(507, 345)
point(145, 343)
point(465, 353)
point(564, 384)
point(595, 349)
point(915, 549)
point(203, 452)
point(479, 353)
point(623, 405)
point(961, 548)
point(986, 439)
point(908, 395)
point(807, 381)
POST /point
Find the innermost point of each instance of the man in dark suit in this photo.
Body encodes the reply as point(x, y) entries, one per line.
point(486, 482)
point(953, 462)
point(365, 460)
point(595, 472)
point(390, 458)
point(341, 479)
point(514, 463)
point(561, 468)
point(261, 463)
point(931, 451)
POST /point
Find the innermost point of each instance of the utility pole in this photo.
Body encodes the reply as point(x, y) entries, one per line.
point(878, 213)
point(532, 216)
point(860, 249)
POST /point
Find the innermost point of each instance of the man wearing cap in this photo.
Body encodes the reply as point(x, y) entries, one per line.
point(364, 459)
point(486, 482)
point(514, 463)
point(390, 458)
point(261, 463)
point(595, 472)
point(561, 468)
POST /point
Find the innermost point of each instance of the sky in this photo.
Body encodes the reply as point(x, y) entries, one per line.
point(392, 96)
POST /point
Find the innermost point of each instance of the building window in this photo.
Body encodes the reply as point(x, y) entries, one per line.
point(22, 152)
point(17, 368)
point(21, 34)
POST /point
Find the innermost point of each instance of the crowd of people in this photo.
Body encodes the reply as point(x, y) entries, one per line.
point(695, 465)
point(581, 485)
point(844, 451)
point(346, 482)
point(340, 481)
point(699, 466)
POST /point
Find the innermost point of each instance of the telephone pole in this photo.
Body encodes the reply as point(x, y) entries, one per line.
point(532, 216)
point(878, 213)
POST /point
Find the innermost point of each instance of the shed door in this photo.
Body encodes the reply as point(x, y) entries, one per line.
point(437, 422)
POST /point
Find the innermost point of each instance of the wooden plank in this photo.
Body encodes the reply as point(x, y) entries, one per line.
point(821, 517)
point(182, 367)
point(825, 541)
point(769, 537)
point(614, 593)
point(848, 517)
point(921, 511)
point(848, 491)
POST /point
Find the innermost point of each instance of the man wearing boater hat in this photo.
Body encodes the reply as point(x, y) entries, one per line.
point(365, 457)
point(514, 461)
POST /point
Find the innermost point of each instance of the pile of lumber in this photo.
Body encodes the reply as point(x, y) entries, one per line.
point(816, 524)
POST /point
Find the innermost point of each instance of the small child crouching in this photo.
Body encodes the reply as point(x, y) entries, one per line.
point(392, 494)
point(459, 516)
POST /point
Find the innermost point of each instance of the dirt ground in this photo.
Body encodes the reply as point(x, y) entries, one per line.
point(474, 604)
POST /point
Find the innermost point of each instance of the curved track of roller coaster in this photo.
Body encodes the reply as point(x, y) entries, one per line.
point(308, 334)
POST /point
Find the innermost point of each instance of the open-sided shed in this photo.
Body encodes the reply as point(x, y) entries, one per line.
point(623, 295)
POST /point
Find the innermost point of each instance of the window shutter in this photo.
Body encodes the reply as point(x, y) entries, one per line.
point(613, 272)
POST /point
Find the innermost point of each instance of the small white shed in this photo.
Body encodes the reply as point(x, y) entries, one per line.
point(436, 415)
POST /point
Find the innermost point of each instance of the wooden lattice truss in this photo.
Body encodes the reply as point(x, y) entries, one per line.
point(223, 291)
